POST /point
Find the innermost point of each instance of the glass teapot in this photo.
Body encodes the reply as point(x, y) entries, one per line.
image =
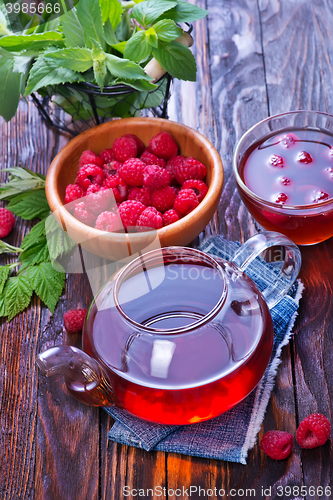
point(177, 336)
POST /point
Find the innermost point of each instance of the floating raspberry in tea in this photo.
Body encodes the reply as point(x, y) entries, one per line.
point(276, 161)
point(304, 157)
point(319, 195)
point(280, 198)
point(289, 140)
point(285, 181)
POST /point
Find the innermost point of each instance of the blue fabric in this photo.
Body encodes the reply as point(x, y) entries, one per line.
point(229, 436)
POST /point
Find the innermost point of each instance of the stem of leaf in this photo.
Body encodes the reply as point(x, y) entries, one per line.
point(7, 248)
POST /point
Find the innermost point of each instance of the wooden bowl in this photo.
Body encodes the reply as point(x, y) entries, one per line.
point(64, 167)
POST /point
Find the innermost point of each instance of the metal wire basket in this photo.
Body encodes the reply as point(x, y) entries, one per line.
point(73, 108)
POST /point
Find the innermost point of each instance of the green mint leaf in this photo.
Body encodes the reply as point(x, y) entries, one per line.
point(120, 47)
point(109, 34)
point(29, 205)
point(90, 16)
point(99, 64)
point(58, 242)
point(46, 72)
point(3, 311)
point(17, 293)
point(9, 89)
point(166, 30)
point(4, 275)
point(142, 85)
point(73, 31)
point(112, 11)
point(137, 48)
point(76, 59)
point(151, 37)
point(185, 12)
point(47, 283)
point(7, 248)
point(34, 235)
point(36, 41)
point(20, 180)
point(149, 11)
point(177, 60)
point(123, 68)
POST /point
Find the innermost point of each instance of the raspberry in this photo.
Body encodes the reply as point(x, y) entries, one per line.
point(73, 192)
point(280, 198)
point(140, 194)
point(163, 145)
point(277, 444)
point(7, 222)
point(107, 155)
point(289, 140)
point(150, 218)
point(89, 174)
point(313, 431)
point(163, 199)
point(129, 212)
point(156, 177)
point(118, 186)
point(132, 171)
point(199, 187)
point(186, 201)
point(173, 164)
point(89, 157)
point(190, 169)
point(319, 195)
point(285, 181)
point(112, 166)
point(108, 221)
point(74, 320)
point(304, 157)
point(82, 214)
point(98, 199)
point(139, 144)
point(124, 148)
point(276, 161)
point(151, 159)
point(170, 216)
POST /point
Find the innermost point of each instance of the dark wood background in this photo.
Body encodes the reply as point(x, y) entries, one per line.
point(255, 59)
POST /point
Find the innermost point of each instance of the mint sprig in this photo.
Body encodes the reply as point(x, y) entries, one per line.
point(111, 39)
point(25, 193)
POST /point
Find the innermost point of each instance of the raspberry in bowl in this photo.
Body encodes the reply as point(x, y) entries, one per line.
point(284, 173)
point(144, 163)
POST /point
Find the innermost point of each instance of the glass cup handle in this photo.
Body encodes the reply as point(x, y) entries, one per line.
point(290, 269)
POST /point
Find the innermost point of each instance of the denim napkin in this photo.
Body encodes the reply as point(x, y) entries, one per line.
point(230, 436)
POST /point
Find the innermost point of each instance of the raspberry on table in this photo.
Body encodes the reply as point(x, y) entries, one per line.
point(140, 194)
point(139, 144)
point(132, 171)
point(73, 192)
point(150, 218)
point(129, 212)
point(163, 199)
point(109, 221)
point(98, 199)
point(304, 157)
point(185, 202)
point(313, 431)
point(163, 145)
point(7, 222)
point(170, 216)
point(83, 215)
point(276, 161)
point(277, 444)
point(156, 177)
point(151, 159)
point(89, 174)
point(199, 187)
point(190, 169)
point(89, 157)
point(74, 320)
point(124, 148)
point(107, 155)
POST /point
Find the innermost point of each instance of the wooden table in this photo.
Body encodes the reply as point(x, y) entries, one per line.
point(255, 59)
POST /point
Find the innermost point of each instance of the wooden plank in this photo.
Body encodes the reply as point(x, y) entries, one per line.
point(299, 73)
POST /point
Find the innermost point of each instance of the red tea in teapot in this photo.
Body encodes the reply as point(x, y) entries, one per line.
point(181, 341)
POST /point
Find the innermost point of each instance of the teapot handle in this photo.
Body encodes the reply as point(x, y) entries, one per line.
point(253, 247)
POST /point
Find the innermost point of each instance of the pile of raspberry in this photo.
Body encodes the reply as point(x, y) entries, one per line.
point(137, 188)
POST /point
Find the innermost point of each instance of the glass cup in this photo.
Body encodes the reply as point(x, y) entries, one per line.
point(305, 224)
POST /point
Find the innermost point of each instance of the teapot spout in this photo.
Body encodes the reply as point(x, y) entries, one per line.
point(84, 377)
